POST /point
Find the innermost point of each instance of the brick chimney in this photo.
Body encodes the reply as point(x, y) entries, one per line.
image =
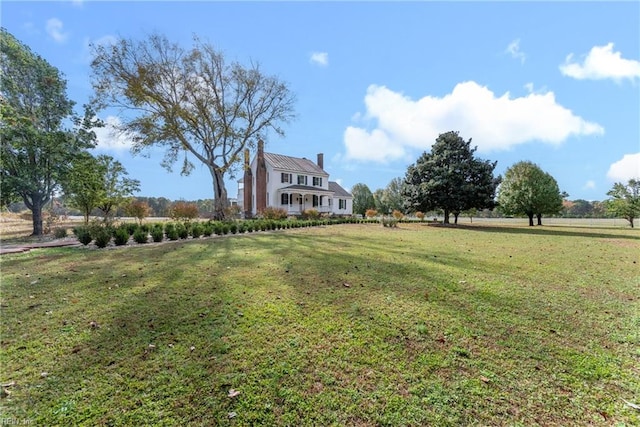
point(248, 185)
point(261, 179)
point(321, 160)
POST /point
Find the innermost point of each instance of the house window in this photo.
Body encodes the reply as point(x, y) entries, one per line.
point(342, 204)
point(316, 201)
point(285, 177)
point(284, 199)
point(302, 180)
point(317, 181)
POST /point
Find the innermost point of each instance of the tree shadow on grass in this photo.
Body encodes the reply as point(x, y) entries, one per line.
point(550, 231)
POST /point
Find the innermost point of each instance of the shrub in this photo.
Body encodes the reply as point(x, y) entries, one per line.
point(171, 231)
point(397, 214)
point(217, 228)
point(420, 215)
point(389, 222)
point(141, 236)
point(196, 230)
point(157, 233)
point(102, 237)
point(60, 232)
point(131, 228)
point(310, 214)
point(249, 226)
point(121, 236)
point(370, 213)
point(225, 228)
point(83, 234)
point(233, 227)
point(274, 213)
point(183, 233)
point(208, 229)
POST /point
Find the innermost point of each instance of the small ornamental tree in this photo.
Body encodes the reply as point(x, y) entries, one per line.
point(625, 200)
point(184, 211)
point(138, 209)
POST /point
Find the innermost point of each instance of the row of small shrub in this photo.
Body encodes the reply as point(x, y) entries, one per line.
point(102, 234)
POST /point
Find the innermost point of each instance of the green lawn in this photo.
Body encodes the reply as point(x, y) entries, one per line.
point(342, 325)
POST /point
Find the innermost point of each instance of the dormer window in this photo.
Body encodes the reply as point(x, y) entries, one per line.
point(302, 180)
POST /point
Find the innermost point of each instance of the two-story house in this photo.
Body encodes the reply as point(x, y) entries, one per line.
point(291, 183)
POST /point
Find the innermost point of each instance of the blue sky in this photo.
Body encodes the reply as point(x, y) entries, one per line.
point(556, 83)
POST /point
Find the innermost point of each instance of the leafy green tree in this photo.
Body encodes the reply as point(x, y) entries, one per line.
point(528, 190)
point(118, 188)
point(362, 199)
point(84, 184)
point(191, 102)
point(390, 198)
point(450, 178)
point(625, 200)
point(380, 201)
point(35, 148)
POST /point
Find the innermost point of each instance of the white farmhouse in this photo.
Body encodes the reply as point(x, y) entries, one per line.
point(290, 183)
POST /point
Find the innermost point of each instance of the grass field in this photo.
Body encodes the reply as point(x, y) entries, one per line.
point(344, 325)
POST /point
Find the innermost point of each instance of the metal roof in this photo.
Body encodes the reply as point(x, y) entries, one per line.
point(338, 190)
point(293, 164)
point(306, 188)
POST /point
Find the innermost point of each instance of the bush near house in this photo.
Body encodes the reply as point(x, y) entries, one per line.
point(370, 213)
point(274, 213)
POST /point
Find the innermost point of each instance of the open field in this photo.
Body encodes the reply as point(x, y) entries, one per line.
point(343, 325)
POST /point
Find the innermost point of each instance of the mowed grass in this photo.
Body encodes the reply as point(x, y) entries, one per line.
point(343, 325)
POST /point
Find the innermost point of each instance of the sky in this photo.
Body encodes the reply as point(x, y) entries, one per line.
point(555, 83)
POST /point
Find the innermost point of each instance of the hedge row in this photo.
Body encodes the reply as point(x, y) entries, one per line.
point(102, 235)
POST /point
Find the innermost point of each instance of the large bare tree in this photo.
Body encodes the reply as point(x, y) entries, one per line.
point(189, 101)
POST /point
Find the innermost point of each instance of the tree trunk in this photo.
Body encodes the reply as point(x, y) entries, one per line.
point(539, 219)
point(455, 217)
point(220, 201)
point(446, 216)
point(530, 215)
point(36, 213)
point(35, 202)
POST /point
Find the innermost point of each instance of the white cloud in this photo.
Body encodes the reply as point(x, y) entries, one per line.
point(625, 169)
point(77, 3)
point(589, 185)
point(602, 63)
point(514, 50)
point(109, 138)
point(494, 122)
point(54, 28)
point(320, 58)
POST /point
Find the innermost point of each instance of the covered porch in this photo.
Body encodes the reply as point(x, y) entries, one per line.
point(295, 199)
